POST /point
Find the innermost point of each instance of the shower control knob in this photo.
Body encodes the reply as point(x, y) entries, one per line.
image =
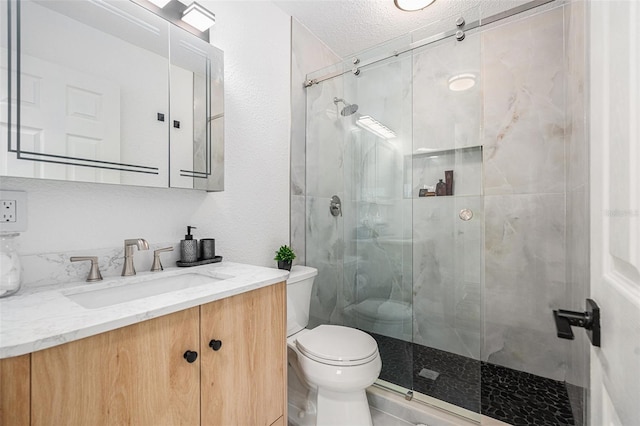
point(460, 22)
point(335, 206)
point(215, 344)
point(466, 214)
point(460, 35)
point(190, 356)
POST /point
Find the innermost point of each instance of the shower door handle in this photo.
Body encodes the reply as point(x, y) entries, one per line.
point(589, 320)
point(335, 206)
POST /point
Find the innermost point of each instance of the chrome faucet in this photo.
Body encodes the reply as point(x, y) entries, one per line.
point(94, 272)
point(128, 268)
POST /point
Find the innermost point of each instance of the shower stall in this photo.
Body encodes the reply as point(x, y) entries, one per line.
point(445, 185)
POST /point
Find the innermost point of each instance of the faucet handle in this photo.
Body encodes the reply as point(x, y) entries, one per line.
point(157, 265)
point(94, 272)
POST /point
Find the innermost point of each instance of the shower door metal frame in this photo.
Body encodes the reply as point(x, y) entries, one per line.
point(479, 23)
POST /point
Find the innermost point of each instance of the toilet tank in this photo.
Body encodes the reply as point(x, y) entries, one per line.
point(299, 287)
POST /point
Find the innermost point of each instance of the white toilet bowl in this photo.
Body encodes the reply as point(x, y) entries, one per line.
point(337, 363)
point(382, 316)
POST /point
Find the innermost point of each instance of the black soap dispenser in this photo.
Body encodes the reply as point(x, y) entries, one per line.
point(189, 247)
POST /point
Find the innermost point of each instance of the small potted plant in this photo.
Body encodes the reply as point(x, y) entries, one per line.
point(284, 256)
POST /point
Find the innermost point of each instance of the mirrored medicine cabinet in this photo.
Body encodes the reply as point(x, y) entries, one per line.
point(106, 91)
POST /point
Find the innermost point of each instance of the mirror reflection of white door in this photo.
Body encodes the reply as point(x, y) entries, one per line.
point(182, 104)
point(615, 210)
point(69, 114)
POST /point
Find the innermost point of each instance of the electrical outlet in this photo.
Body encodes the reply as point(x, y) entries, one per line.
point(8, 210)
point(13, 211)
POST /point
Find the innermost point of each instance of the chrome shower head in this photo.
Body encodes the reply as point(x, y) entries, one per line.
point(348, 109)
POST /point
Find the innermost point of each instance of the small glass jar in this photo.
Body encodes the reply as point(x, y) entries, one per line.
point(10, 267)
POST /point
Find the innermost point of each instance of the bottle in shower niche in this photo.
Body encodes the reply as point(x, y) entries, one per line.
point(189, 247)
point(441, 188)
point(448, 181)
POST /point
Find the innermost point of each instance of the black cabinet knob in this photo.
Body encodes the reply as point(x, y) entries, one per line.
point(215, 344)
point(191, 356)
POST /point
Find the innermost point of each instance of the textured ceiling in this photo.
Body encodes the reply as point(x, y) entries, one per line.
point(350, 26)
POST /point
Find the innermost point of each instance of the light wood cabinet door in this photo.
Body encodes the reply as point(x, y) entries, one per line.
point(135, 375)
point(15, 400)
point(244, 382)
point(279, 422)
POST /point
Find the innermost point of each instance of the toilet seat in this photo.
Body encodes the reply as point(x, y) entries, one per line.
point(337, 345)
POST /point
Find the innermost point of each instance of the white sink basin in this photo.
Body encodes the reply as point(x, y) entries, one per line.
point(103, 297)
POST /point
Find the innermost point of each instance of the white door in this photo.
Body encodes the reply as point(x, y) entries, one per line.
point(615, 209)
point(66, 113)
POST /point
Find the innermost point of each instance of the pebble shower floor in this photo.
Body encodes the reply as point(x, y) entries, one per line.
point(511, 396)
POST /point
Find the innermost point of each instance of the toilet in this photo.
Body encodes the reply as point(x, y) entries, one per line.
point(334, 363)
point(391, 318)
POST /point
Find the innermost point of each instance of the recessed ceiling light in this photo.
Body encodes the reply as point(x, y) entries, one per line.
point(462, 82)
point(412, 5)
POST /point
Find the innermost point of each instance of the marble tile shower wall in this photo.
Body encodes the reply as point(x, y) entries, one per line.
point(379, 296)
point(524, 185)
point(447, 252)
point(577, 198)
point(325, 242)
point(447, 274)
point(316, 237)
point(308, 54)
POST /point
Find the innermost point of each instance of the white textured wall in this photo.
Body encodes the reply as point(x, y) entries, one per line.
point(250, 219)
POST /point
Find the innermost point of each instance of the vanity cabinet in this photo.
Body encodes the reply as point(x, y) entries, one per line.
point(140, 374)
point(134, 375)
point(14, 390)
point(245, 379)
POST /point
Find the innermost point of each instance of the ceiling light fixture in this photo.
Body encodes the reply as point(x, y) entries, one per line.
point(375, 127)
point(199, 17)
point(160, 3)
point(412, 5)
point(462, 82)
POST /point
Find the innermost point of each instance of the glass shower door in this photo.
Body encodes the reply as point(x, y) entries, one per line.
point(377, 293)
point(324, 167)
point(407, 260)
point(400, 262)
point(446, 164)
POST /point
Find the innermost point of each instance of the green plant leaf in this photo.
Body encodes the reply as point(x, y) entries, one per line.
point(284, 253)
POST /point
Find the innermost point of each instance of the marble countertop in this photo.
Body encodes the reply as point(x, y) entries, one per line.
point(40, 318)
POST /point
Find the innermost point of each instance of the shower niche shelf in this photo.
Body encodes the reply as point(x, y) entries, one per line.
point(449, 151)
point(427, 168)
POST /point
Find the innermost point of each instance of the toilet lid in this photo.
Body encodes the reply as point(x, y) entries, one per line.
point(337, 345)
